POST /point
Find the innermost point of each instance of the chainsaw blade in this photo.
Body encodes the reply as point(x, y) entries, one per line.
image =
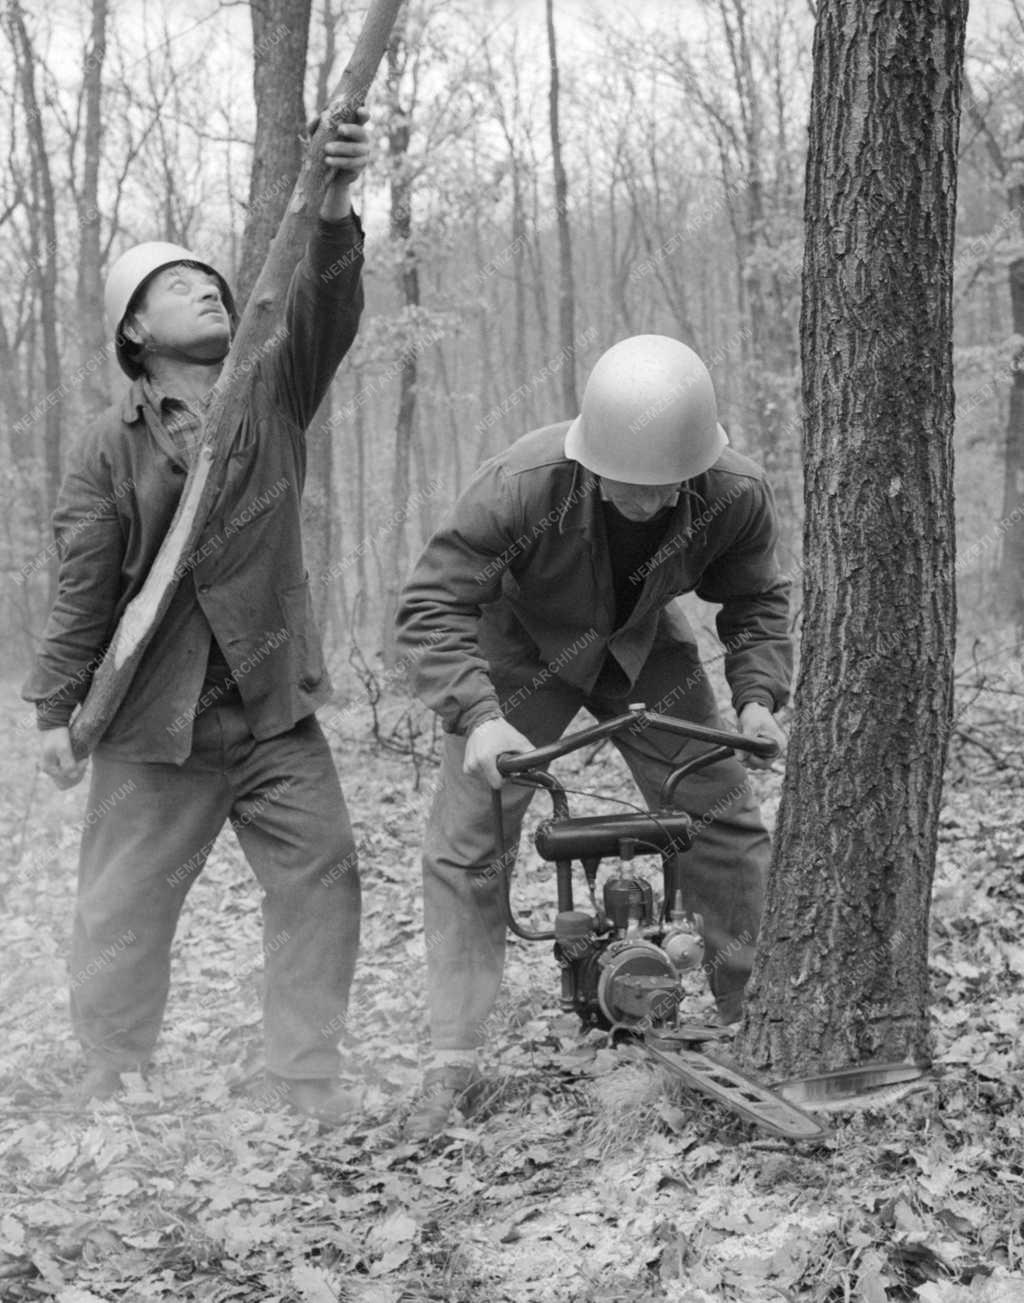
point(851, 1087)
point(738, 1092)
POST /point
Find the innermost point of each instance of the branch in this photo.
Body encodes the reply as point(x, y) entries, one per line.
point(981, 125)
point(144, 613)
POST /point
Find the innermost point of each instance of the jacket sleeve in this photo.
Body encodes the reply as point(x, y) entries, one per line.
point(753, 623)
point(90, 547)
point(322, 311)
point(459, 572)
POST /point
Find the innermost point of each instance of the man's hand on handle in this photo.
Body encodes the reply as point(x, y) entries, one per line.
point(57, 759)
point(345, 157)
point(490, 739)
point(756, 720)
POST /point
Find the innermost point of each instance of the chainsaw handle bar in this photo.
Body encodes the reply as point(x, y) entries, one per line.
point(510, 763)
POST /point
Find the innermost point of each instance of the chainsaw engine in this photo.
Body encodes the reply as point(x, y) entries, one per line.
point(622, 964)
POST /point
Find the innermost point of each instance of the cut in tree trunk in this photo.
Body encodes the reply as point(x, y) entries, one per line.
point(260, 319)
point(841, 974)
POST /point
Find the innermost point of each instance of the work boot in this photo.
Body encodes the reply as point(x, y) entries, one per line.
point(729, 1008)
point(99, 1083)
point(322, 1098)
point(445, 1088)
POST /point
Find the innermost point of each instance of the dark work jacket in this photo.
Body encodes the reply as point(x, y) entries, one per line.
point(245, 580)
point(518, 581)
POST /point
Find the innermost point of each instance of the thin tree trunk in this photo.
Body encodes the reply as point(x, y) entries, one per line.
point(841, 973)
point(399, 132)
point(454, 442)
point(362, 597)
point(92, 332)
point(318, 511)
point(1011, 568)
point(46, 272)
point(566, 288)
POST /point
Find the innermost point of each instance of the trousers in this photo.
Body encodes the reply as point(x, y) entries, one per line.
point(464, 925)
point(147, 835)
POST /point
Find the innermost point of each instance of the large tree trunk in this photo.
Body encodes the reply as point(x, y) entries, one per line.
point(566, 286)
point(280, 34)
point(841, 973)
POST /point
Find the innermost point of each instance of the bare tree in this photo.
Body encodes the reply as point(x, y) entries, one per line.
point(280, 35)
point(45, 262)
point(1004, 151)
point(399, 133)
point(566, 286)
point(92, 333)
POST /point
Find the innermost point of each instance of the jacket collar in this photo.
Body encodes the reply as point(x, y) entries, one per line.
point(137, 407)
point(134, 402)
point(578, 509)
point(581, 511)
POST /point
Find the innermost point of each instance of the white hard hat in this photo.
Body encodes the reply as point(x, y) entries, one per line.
point(649, 414)
point(130, 273)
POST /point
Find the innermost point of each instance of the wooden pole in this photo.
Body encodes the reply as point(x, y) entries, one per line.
point(262, 316)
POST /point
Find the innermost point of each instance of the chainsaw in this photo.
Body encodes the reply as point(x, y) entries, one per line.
point(623, 961)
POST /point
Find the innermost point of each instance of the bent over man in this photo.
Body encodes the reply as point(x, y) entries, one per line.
point(218, 723)
point(550, 588)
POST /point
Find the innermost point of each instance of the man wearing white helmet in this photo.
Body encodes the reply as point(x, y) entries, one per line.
point(218, 723)
point(549, 588)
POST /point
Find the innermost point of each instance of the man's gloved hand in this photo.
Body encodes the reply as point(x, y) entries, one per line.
point(57, 759)
point(486, 742)
point(756, 720)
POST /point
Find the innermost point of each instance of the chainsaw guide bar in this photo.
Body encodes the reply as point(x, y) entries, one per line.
point(739, 1093)
point(858, 1087)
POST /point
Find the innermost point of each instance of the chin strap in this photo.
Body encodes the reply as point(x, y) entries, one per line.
point(149, 345)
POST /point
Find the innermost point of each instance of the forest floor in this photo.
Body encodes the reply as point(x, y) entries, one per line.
point(587, 1178)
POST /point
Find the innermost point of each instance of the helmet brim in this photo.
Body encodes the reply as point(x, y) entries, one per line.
point(624, 473)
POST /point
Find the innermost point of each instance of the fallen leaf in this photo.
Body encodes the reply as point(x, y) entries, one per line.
point(391, 1260)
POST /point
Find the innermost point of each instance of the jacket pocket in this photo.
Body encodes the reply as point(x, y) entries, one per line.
point(296, 605)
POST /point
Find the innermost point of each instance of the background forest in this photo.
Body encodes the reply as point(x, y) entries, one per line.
point(507, 248)
point(682, 134)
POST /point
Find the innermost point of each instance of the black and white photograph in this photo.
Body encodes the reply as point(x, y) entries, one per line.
point(513, 609)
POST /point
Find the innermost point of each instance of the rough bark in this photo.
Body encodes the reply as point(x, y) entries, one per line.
point(259, 321)
point(280, 35)
point(841, 972)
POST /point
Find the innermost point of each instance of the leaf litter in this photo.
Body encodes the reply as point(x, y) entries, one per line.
point(587, 1176)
